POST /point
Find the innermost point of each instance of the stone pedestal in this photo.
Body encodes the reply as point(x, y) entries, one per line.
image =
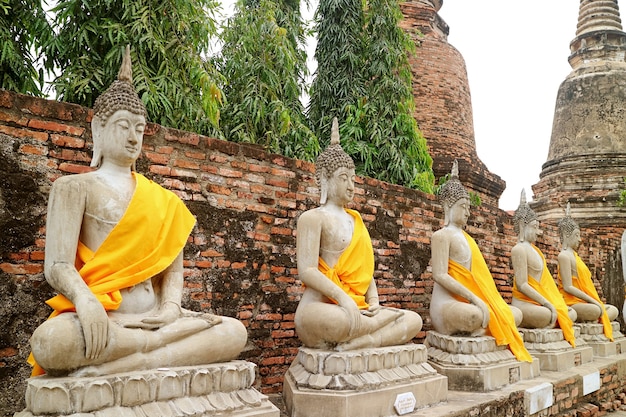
point(364, 382)
point(476, 363)
point(593, 334)
point(223, 389)
point(553, 351)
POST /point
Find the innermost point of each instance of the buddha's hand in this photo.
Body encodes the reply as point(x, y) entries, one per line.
point(354, 316)
point(553, 314)
point(600, 306)
point(95, 324)
point(484, 309)
point(372, 310)
point(168, 313)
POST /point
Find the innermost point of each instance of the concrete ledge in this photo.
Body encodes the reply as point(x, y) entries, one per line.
point(598, 384)
point(563, 360)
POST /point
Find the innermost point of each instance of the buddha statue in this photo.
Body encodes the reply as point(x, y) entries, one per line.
point(114, 253)
point(575, 282)
point(339, 309)
point(534, 289)
point(465, 299)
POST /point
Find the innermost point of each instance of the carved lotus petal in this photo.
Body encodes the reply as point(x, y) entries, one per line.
point(170, 386)
point(52, 398)
point(97, 395)
point(136, 391)
point(202, 383)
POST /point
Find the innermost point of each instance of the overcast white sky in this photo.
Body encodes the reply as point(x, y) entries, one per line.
point(516, 56)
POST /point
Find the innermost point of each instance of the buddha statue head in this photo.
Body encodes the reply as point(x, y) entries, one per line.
point(451, 192)
point(329, 161)
point(121, 95)
point(569, 231)
point(525, 220)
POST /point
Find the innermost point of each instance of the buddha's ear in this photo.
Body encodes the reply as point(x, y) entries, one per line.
point(522, 231)
point(96, 137)
point(323, 188)
point(446, 214)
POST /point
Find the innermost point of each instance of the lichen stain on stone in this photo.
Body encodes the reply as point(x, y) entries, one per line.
point(232, 287)
point(20, 198)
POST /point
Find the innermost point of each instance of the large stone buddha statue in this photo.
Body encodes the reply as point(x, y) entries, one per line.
point(534, 289)
point(114, 254)
point(339, 309)
point(575, 282)
point(465, 299)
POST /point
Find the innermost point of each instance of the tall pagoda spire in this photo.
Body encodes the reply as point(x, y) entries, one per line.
point(599, 34)
point(598, 15)
point(587, 154)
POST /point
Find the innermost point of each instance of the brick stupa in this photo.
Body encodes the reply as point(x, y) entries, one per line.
point(444, 106)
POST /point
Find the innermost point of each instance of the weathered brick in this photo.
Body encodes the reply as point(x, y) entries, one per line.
point(56, 127)
point(69, 141)
point(23, 133)
point(33, 149)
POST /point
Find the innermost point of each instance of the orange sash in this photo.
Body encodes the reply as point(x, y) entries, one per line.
point(147, 239)
point(547, 288)
point(480, 282)
point(354, 270)
point(584, 283)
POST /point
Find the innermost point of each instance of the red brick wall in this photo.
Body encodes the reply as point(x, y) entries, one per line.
point(240, 258)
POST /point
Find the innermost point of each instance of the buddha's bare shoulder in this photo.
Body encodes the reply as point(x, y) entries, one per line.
point(73, 183)
point(446, 233)
point(312, 216)
point(521, 248)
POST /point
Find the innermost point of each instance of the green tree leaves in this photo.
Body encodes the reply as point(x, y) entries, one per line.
point(364, 79)
point(264, 64)
point(169, 40)
point(23, 26)
point(340, 55)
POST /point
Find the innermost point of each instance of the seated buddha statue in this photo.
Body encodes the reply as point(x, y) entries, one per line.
point(465, 299)
point(575, 282)
point(114, 253)
point(339, 309)
point(534, 289)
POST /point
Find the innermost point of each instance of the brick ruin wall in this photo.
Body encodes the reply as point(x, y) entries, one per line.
point(240, 259)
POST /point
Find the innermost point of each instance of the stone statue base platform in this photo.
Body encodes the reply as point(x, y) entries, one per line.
point(593, 334)
point(553, 351)
point(363, 382)
point(476, 363)
point(223, 389)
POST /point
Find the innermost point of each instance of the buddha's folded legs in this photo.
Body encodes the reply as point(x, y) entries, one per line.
point(185, 340)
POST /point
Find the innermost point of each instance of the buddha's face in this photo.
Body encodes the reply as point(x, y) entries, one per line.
point(573, 240)
point(341, 185)
point(459, 212)
point(531, 231)
point(121, 137)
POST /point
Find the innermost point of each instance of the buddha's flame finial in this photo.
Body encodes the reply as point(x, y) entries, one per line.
point(454, 172)
point(126, 69)
point(334, 133)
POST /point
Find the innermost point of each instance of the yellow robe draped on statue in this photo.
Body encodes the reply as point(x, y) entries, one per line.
point(480, 282)
point(583, 282)
point(354, 270)
point(548, 289)
point(147, 239)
